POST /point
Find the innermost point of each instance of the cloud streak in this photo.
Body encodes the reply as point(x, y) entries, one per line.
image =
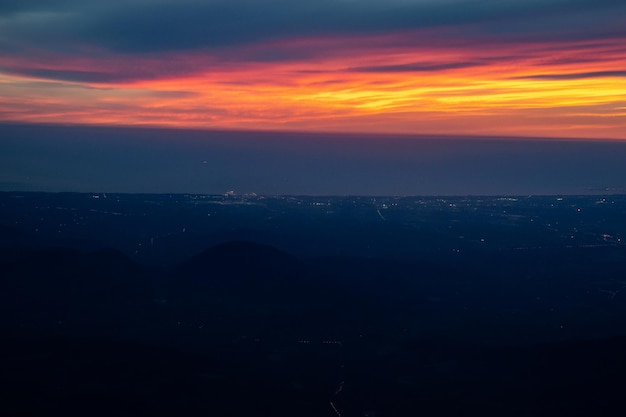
point(416, 67)
point(576, 76)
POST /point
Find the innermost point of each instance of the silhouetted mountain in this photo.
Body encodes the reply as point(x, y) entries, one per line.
point(243, 272)
point(60, 266)
point(252, 288)
point(242, 260)
point(51, 286)
point(11, 254)
point(9, 235)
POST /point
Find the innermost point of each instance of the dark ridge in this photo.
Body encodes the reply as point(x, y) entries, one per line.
point(112, 260)
point(52, 260)
point(9, 235)
point(242, 260)
point(257, 288)
point(82, 244)
point(67, 277)
point(60, 263)
point(10, 255)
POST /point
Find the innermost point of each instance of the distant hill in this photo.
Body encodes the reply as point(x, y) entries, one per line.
point(9, 235)
point(71, 265)
point(259, 288)
point(242, 260)
point(51, 286)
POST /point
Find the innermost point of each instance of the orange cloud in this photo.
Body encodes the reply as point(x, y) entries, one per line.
point(352, 84)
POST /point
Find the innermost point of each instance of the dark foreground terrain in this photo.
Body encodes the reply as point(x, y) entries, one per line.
point(149, 305)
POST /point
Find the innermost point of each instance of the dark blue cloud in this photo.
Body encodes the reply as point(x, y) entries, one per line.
point(64, 75)
point(575, 76)
point(149, 26)
point(9, 7)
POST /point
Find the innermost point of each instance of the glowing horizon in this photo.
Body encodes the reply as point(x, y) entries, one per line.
point(448, 79)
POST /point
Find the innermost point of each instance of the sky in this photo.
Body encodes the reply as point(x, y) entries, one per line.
point(532, 68)
point(163, 160)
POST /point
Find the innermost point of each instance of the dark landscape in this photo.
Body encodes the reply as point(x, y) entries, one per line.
point(313, 208)
point(241, 305)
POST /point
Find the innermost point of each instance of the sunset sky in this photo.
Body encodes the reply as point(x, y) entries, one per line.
point(543, 68)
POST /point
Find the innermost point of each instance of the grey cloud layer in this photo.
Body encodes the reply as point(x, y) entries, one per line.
point(142, 26)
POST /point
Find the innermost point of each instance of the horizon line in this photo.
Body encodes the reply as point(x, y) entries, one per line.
point(414, 136)
point(617, 192)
